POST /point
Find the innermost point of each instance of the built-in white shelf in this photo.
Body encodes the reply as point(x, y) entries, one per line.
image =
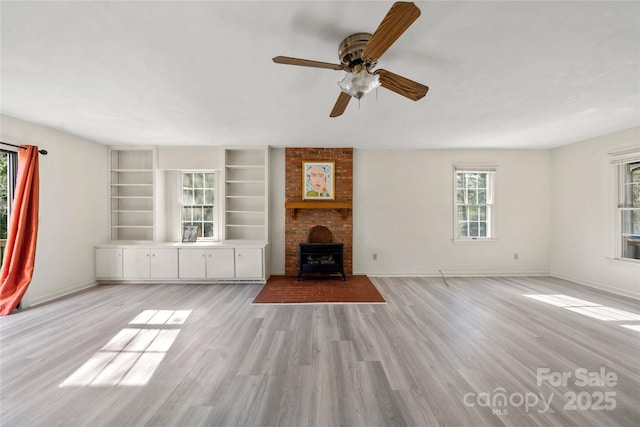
point(246, 189)
point(132, 194)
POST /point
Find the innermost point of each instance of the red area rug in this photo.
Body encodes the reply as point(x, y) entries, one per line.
point(286, 290)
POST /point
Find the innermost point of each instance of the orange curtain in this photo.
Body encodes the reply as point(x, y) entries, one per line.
point(20, 251)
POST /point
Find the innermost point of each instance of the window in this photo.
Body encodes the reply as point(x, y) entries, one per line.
point(199, 203)
point(8, 175)
point(629, 207)
point(473, 202)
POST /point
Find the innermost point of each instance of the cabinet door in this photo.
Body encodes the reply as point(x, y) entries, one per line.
point(220, 263)
point(164, 263)
point(249, 263)
point(135, 263)
point(192, 263)
point(108, 263)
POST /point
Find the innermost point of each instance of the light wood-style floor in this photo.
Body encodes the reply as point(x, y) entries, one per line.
point(434, 355)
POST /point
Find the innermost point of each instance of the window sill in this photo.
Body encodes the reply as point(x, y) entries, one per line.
point(478, 240)
point(202, 242)
point(625, 260)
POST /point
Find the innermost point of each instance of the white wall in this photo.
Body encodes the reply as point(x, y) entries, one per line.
point(403, 212)
point(582, 206)
point(73, 208)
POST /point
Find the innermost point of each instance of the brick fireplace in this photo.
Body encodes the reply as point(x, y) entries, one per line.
point(299, 221)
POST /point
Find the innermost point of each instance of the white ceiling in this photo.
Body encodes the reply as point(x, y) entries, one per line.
point(502, 74)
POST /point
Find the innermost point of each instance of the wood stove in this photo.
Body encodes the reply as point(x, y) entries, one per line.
point(321, 255)
point(321, 258)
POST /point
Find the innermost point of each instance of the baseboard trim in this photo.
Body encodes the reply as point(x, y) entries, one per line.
point(58, 294)
point(598, 286)
point(455, 273)
point(180, 281)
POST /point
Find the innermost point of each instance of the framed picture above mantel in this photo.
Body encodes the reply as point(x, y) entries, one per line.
point(318, 180)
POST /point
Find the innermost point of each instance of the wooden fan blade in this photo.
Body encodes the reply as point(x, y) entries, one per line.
point(341, 104)
point(402, 85)
point(306, 63)
point(398, 19)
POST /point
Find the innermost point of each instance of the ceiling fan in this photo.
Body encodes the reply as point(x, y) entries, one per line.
point(359, 54)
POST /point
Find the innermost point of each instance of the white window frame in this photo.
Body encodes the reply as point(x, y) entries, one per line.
point(10, 184)
point(619, 161)
point(216, 206)
point(491, 171)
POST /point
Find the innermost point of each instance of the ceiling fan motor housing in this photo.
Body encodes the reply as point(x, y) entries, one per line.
point(350, 53)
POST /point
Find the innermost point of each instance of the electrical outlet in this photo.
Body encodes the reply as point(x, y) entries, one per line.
point(375, 257)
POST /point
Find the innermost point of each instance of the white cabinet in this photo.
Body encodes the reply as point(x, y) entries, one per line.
point(182, 263)
point(164, 263)
point(207, 263)
point(108, 262)
point(135, 262)
point(132, 194)
point(246, 193)
point(220, 263)
point(249, 263)
point(192, 262)
point(161, 263)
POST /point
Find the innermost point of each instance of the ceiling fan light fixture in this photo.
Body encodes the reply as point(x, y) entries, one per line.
point(359, 84)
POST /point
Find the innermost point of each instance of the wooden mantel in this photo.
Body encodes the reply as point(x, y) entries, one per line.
point(344, 206)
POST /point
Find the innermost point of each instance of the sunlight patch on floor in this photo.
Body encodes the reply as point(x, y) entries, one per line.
point(590, 309)
point(132, 356)
point(562, 300)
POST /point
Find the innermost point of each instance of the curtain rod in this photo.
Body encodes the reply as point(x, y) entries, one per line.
point(43, 152)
